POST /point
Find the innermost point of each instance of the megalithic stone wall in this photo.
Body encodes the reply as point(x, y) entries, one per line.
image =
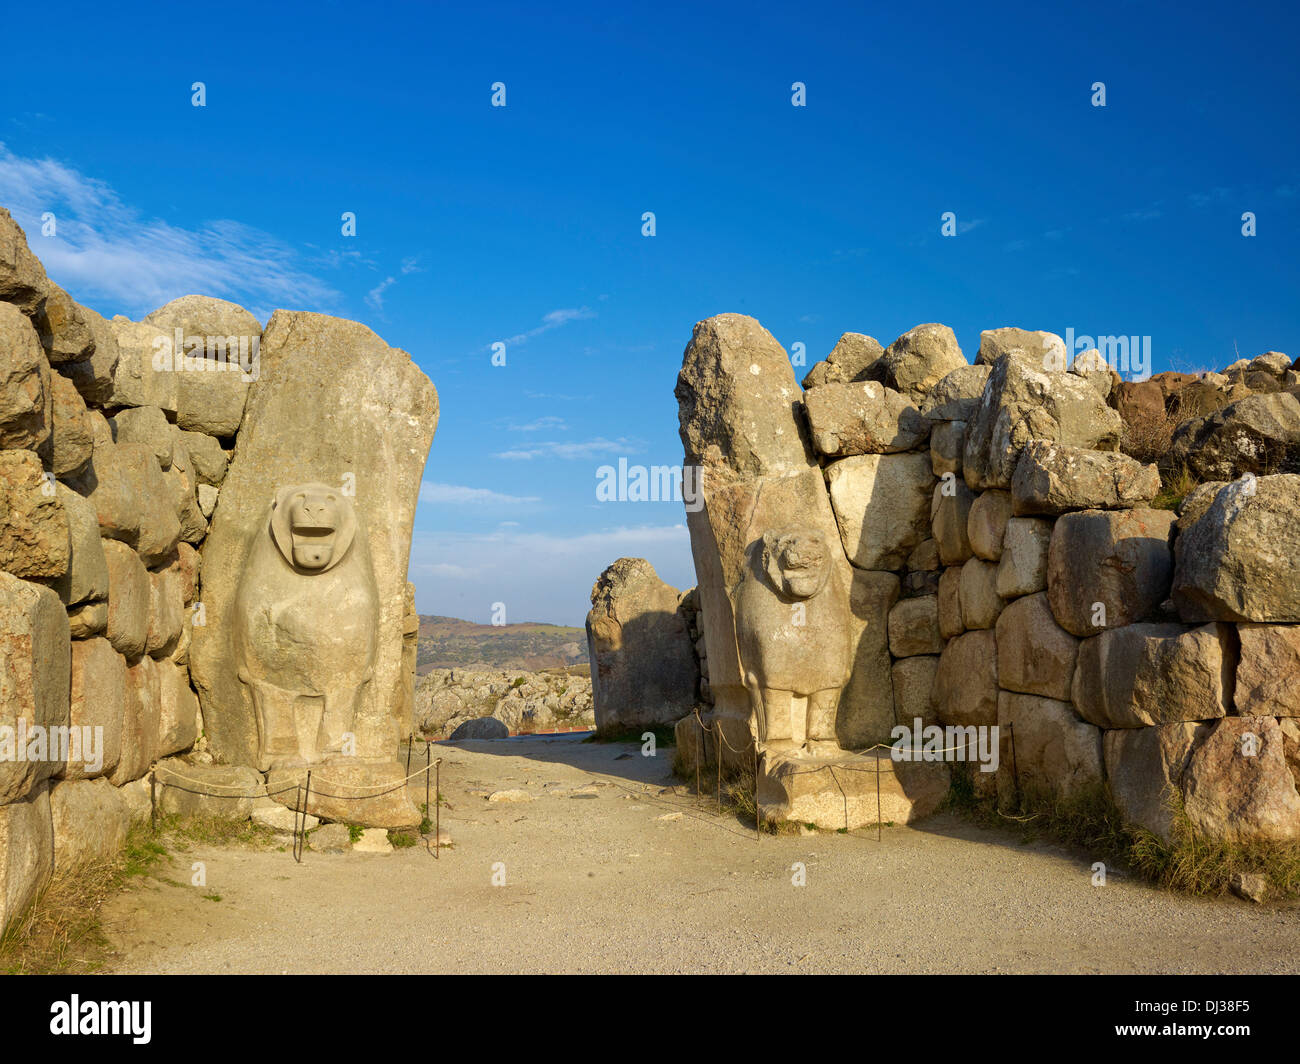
point(1009, 564)
point(114, 445)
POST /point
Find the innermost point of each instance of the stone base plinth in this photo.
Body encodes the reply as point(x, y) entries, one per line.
point(366, 793)
point(840, 792)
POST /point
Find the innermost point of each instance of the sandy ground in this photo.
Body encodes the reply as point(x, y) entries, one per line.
point(600, 882)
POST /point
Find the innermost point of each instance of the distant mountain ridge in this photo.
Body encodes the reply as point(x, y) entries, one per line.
point(448, 642)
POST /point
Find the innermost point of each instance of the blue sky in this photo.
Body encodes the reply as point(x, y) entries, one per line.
point(478, 224)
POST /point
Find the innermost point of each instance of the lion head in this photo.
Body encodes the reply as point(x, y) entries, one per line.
point(313, 525)
point(797, 561)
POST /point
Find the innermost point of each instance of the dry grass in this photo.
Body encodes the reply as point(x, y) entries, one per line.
point(1148, 434)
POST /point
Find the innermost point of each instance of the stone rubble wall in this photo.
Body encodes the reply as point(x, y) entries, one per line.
point(1008, 566)
point(111, 469)
point(548, 700)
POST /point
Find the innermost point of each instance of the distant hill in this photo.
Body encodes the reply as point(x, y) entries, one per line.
point(446, 642)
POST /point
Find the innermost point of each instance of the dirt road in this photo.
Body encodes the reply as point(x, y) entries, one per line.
point(596, 880)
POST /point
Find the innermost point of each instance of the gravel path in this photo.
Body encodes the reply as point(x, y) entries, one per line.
point(597, 881)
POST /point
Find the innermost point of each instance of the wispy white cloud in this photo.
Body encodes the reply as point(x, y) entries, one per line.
point(550, 421)
point(572, 449)
point(105, 249)
point(375, 297)
point(552, 320)
point(460, 495)
point(966, 227)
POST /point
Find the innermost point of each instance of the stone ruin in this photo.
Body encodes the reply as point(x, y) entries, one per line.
point(911, 537)
point(204, 534)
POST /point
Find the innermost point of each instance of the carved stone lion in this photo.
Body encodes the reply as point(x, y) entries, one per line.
point(306, 616)
point(791, 612)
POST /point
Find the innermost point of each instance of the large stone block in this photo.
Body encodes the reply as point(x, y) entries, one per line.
point(643, 667)
point(1146, 674)
point(178, 709)
point(950, 623)
point(1022, 569)
point(1035, 655)
point(1108, 568)
point(71, 441)
point(86, 577)
point(98, 703)
point(228, 792)
point(1056, 754)
point(852, 359)
point(1052, 478)
point(867, 701)
point(1237, 786)
point(33, 525)
point(1021, 404)
point(882, 505)
point(90, 819)
point(93, 376)
point(333, 405)
point(956, 396)
point(136, 382)
point(22, 277)
point(852, 792)
point(980, 602)
point(128, 599)
point(350, 792)
point(26, 852)
point(1258, 434)
point(920, 358)
point(966, 684)
point(914, 627)
point(64, 333)
point(167, 611)
point(140, 723)
point(947, 440)
point(34, 664)
point(1238, 557)
point(1268, 671)
point(1144, 772)
point(26, 401)
point(986, 524)
point(862, 418)
point(913, 681)
point(1042, 352)
point(207, 457)
point(950, 507)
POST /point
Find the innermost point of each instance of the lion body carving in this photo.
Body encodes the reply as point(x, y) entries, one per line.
point(306, 619)
point(793, 643)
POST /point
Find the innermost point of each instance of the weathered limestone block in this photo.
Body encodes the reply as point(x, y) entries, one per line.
point(1022, 404)
point(90, 820)
point(643, 667)
point(1238, 559)
point(86, 577)
point(132, 501)
point(22, 277)
point(62, 327)
point(736, 394)
point(1056, 753)
point(93, 376)
point(913, 680)
point(980, 601)
point(914, 627)
point(205, 318)
point(1144, 772)
point(1108, 568)
point(34, 665)
point(1092, 366)
point(1268, 671)
point(207, 496)
point(178, 709)
point(183, 485)
point(333, 406)
point(98, 702)
point(207, 457)
point(71, 442)
point(88, 619)
point(26, 840)
point(33, 524)
point(210, 397)
point(925, 557)
point(920, 358)
point(966, 685)
point(842, 794)
point(1237, 786)
point(950, 507)
point(1052, 478)
point(866, 711)
point(128, 599)
point(852, 358)
point(1042, 352)
point(226, 791)
point(957, 395)
point(947, 440)
point(166, 609)
point(140, 723)
point(350, 791)
point(950, 602)
point(1035, 655)
point(191, 562)
point(135, 380)
point(1022, 570)
point(862, 417)
point(1145, 674)
point(987, 524)
point(1259, 434)
point(146, 425)
point(792, 638)
point(882, 504)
